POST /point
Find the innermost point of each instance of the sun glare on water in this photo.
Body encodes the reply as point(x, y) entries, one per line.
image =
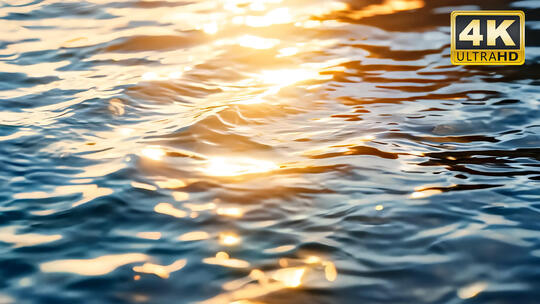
point(221, 166)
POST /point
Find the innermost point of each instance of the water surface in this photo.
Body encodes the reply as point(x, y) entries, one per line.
point(242, 151)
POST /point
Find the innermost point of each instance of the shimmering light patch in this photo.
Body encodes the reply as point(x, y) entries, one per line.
point(43, 212)
point(194, 236)
point(135, 184)
point(223, 259)
point(9, 235)
point(88, 193)
point(180, 196)
point(290, 277)
point(472, 290)
point(313, 259)
point(149, 76)
point(229, 239)
point(153, 152)
point(171, 183)
point(230, 211)
point(31, 195)
point(150, 235)
point(425, 193)
point(256, 42)
point(279, 249)
point(330, 271)
point(276, 16)
point(289, 76)
point(160, 270)
point(200, 207)
point(174, 75)
point(220, 166)
point(289, 51)
point(379, 207)
point(387, 7)
point(166, 208)
point(210, 28)
point(125, 131)
point(116, 106)
point(5, 299)
point(93, 267)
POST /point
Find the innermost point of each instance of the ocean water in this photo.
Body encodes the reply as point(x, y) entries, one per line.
point(263, 151)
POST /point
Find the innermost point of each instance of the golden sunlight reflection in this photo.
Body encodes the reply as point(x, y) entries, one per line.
point(221, 166)
point(292, 274)
point(288, 51)
point(276, 16)
point(280, 249)
point(423, 192)
point(290, 76)
point(150, 235)
point(168, 209)
point(472, 290)
point(88, 193)
point(229, 239)
point(223, 259)
point(290, 277)
point(180, 196)
point(210, 28)
point(200, 207)
point(93, 267)
point(144, 186)
point(10, 235)
point(153, 152)
point(256, 42)
point(387, 7)
point(194, 236)
point(330, 271)
point(160, 270)
point(230, 211)
point(171, 183)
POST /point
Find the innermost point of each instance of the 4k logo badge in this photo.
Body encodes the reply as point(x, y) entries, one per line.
point(488, 37)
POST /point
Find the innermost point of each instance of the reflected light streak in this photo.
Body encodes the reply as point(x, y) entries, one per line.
point(180, 196)
point(289, 76)
point(290, 277)
point(387, 7)
point(280, 249)
point(168, 209)
point(200, 207)
point(223, 259)
point(277, 16)
point(288, 51)
point(143, 186)
point(153, 152)
point(210, 28)
point(256, 42)
point(472, 290)
point(230, 211)
point(160, 270)
point(88, 193)
point(424, 193)
point(194, 236)
point(330, 271)
point(93, 267)
point(150, 235)
point(171, 183)
point(220, 166)
point(9, 235)
point(229, 239)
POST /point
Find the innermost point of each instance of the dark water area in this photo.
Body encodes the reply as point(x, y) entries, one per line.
point(272, 151)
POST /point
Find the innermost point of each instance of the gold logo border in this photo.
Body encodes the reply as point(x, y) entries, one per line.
point(521, 51)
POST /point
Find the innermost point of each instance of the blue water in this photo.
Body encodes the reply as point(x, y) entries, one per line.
point(295, 151)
